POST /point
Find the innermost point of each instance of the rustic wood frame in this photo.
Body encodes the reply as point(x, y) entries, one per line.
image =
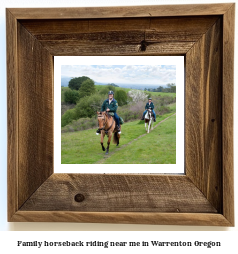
point(204, 34)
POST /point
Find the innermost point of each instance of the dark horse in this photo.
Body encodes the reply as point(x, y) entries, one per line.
point(107, 126)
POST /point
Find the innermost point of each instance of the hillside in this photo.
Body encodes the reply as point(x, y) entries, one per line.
point(99, 87)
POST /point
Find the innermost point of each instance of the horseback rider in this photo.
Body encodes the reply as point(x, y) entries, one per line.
point(110, 106)
point(149, 105)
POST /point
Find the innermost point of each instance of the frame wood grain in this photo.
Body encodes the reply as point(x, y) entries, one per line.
point(204, 34)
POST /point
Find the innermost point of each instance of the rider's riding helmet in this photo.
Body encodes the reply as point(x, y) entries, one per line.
point(150, 99)
point(110, 92)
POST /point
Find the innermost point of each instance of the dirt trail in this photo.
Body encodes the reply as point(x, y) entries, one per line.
point(123, 146)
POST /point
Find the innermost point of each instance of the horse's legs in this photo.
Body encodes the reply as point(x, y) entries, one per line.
point(102, 137)
point(108, 142)
point(145, 127)
point(149, 126)
point(118, 137)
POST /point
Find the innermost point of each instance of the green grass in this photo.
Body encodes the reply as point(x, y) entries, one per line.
point(162, 94)
point(157, 147)
point(83, 147)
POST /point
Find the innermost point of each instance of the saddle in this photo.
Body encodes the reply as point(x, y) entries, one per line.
point(121, 121)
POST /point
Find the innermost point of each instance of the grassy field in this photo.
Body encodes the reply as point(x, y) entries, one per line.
point(99, 87)
point(83, 147)
point(157, 147)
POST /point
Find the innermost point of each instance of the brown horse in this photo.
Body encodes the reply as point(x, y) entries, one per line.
point(107, 126)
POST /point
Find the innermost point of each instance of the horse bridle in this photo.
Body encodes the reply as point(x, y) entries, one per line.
point(103, 128)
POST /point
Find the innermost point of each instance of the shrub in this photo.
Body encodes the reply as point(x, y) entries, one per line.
point(63, 90)
point(83, 108)
point(131, 112)
point(68, 117)
point(88, 106)
point(121, 97)
point(81, 124)
point(87, 88)
point(66, 106)
point(149, 95)
point(104, 91)
point(163, 110)
point(83, 116)
point(71, 96)
point(134, 110)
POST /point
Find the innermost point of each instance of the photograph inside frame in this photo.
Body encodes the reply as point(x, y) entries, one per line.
point(121, 112)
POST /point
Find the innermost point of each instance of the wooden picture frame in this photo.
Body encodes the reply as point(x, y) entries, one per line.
point(204, 34)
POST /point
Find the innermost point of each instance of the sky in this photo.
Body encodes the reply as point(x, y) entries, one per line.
point(123, 74)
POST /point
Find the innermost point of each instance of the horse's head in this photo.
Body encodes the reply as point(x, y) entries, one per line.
point(101, 119)
point(149, 112)
point(101, 113)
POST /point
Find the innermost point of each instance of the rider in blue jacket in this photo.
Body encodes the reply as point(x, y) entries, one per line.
point(148, 105)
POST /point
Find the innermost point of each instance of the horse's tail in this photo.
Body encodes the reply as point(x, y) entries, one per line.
point(116, 137)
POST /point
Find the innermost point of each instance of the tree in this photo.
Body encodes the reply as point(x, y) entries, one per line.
point(137, 95)
point(87, 88)
point(75, 83)
point(160, 89)
point(121, 97)
point(71, 96)
point(172, 87)
point(112, 84)
point(106, 89)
